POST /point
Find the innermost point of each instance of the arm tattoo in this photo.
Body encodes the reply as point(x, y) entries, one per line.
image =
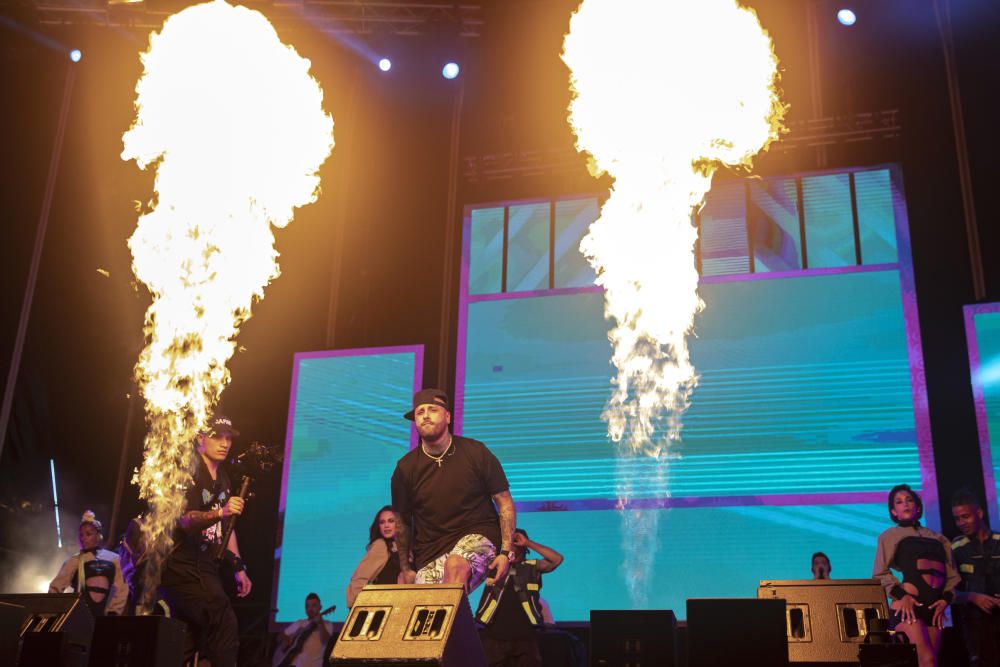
point(403, 543)
point(508, 519)
point(195, 521)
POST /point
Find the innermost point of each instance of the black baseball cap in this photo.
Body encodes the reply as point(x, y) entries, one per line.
point(220, 424)
point(432, 396)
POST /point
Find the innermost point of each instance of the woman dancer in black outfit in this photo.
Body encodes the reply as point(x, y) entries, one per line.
point(924, 559)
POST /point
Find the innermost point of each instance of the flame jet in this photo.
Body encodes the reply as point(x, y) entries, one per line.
point(233, 125)
point(664, 92)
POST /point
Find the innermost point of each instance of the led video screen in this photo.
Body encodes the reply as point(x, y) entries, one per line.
point(982, 329)
point(810, 406)
point(345, 433)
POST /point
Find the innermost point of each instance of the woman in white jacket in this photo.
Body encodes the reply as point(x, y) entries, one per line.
point(94, 572)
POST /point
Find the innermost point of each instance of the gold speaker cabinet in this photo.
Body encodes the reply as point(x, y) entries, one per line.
point(827, 620)
point(409, 625)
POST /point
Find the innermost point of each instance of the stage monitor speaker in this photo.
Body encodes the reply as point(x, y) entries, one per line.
point(619, 638)
point(736, 631)
point(56, 630)
point(827, 620)
point(409, 625)
point(137, 641)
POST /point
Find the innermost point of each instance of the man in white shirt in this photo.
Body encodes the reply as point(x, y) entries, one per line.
point(306, 640)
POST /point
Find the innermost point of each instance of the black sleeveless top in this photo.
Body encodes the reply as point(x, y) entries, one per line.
point(389, 573)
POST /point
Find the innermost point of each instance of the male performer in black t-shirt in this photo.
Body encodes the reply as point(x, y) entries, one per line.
point(190, 583)
point(444, 491)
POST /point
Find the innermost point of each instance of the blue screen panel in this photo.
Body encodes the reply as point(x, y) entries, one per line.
point(811, 403)
point(723, 234)
point(345, 434)
point(573, 217)
point(983, 333)
point(528, 247)
point(876, 218)
point(773, 219)
point(805, 388)
point(698, 552)
point(486, 251)
point(830, 224)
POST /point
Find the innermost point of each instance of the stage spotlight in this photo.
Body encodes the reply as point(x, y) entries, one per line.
point(76, 55)
point(846, 17)
point(450, 71)
point(385, 64)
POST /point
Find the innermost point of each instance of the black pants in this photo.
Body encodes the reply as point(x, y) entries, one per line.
point(205, 607)
point(982, 637)
point(512, 652)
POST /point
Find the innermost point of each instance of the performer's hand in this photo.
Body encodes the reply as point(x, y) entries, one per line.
point(987, 603)
point(406, 577)
point(519, 540)
point(904, 608)
point(502, 565)
point(938, 620)
point(234, 507)
point(243, 584)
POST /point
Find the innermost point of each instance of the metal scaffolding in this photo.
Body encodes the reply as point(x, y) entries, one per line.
point(361, 17)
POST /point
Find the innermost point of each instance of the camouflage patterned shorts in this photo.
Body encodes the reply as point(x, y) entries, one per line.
point(475, 548)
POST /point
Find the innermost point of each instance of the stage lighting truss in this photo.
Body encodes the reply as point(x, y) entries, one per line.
point(361, 17)
point(816, 133)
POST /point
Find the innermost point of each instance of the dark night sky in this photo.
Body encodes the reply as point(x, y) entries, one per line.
point(374, 244)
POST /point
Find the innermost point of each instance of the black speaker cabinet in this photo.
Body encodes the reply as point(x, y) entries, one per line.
point(12, 619)
point(137, 641)
point(736, 631)
point(619, 638)
point(409, 625)
point(889, 655)
point(826, 621)
point(55, 630)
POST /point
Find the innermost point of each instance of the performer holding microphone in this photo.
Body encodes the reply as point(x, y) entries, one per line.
point(191, 583)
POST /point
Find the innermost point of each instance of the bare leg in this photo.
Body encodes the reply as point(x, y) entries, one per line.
point(456, 570)
point(934, 636)
point(917, 633)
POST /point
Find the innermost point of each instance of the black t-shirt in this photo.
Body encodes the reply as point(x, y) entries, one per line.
point(194, 554)
point(445, 502)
